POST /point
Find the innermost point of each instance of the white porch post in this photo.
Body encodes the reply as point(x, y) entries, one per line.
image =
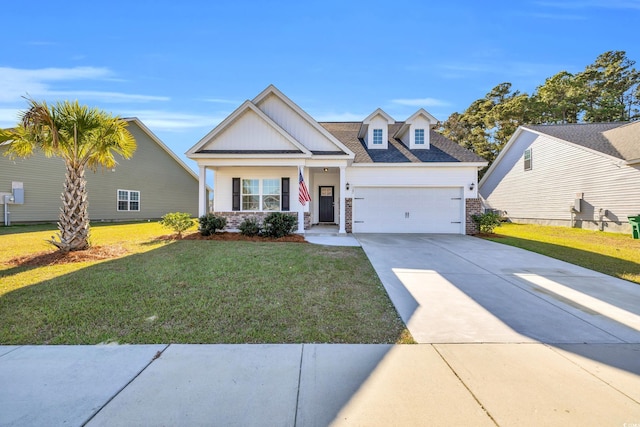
point(202, 190)
point(301, 208)
point(342, 200)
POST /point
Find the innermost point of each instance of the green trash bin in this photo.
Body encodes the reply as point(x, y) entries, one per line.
point(635, 226)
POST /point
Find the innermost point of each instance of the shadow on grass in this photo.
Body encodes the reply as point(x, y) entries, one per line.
point(232, 292)
point(594, 261)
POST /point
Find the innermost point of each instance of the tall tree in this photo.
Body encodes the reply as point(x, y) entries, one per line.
point(558, 99)
point(610, 87)
point(84, 138)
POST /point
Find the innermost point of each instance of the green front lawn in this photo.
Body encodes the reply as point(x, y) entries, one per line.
point(610, 253)
point(162, 291)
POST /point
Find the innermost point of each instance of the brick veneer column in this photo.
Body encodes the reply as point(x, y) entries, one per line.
point(472, 207)
point(348, 220)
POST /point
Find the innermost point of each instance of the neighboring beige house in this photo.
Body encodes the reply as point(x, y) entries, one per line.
point(150, 184)
point(577, 175)
point(374, 176)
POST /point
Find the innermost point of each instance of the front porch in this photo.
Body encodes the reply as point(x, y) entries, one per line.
point(326, 184)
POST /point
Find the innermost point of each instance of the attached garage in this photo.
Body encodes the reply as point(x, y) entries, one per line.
point(408, 210)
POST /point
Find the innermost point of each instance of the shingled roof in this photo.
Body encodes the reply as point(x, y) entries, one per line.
point(620, 139)
point(441, 149)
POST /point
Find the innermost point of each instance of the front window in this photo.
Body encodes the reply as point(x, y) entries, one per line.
point(527, 159)
point(377, 136)
point(419, 137)
point(128, 200)
point(261, 195)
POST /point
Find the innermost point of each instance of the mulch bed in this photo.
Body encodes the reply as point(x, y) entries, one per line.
point(97, 253)
point(94, 253)
point(236, 237)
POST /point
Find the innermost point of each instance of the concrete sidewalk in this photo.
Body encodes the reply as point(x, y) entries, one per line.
point(321, 384)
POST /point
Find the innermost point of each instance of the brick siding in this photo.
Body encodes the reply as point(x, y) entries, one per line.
point(472, 207)
point(235, 218)
point(348, 218)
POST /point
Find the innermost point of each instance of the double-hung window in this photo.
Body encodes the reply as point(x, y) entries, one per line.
point(128, 200)
point(260, 194)
point(527, 159)
point(419, 137)
point(377, 136)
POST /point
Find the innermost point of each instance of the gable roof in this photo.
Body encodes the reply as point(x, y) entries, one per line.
point(286, 144)
point(626, 139)
point(407, 123)
point(588, 135)
point(162, 145)
point(442, 149)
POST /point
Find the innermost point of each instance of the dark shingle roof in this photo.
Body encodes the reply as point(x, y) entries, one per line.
point(589, 135)
point(441, 149)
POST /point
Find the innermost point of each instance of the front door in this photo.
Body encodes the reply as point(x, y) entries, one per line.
point(326, 204)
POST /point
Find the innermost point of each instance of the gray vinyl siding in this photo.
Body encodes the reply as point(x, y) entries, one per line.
point(560, 170)
point(164, 185)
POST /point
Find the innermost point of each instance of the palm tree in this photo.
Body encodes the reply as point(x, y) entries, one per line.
point(83, 137)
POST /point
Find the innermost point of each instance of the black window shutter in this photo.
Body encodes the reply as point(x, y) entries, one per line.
point(285, 194)
point(236, 195)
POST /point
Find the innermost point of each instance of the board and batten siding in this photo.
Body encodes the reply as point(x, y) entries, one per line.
point(560, 171)
point(296, 125)
point(164, 185)
point(250, 132)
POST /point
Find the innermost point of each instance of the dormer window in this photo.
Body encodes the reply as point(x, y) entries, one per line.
point(414, 132)
point(377, 137)
point(419, 137)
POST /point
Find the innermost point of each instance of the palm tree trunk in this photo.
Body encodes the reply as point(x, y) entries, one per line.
point(74, 218)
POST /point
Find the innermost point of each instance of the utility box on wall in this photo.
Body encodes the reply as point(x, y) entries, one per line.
point(18, 192)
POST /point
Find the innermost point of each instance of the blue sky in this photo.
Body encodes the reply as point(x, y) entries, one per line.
point(183, 66)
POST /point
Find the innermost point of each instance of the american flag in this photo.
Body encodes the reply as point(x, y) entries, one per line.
point(303, 193)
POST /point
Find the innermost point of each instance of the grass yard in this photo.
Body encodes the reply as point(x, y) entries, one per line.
point(196, 291)
point(610, 253)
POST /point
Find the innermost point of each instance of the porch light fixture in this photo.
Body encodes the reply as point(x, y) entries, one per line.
point(472, 186)
point(347, 186)
point(326, 169)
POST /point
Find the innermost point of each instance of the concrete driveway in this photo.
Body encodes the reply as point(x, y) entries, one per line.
point(462, 289)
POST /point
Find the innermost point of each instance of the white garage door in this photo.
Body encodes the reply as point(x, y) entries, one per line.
point(408, 210)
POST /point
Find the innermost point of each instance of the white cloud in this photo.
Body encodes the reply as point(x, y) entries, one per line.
point(173, 121)
point(421, 102)
point(16, 83)
point(221, 101)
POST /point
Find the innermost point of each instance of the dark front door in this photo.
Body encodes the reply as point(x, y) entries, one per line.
point(326, 204)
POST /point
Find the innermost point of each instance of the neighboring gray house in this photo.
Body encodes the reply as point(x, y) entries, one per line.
point(150, 184)
point(578, 175)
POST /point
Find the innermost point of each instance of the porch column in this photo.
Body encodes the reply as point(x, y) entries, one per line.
point(343, 183)
point(202, 190)
point(301, 208)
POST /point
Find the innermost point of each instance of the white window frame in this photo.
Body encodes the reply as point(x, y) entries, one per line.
point(261, 195)
point(419, 137)
point(377, 137)
point(129, 200)
point(529, 160)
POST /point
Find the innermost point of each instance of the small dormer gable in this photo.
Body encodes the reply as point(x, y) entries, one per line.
point(375, 130)
point(414, 133)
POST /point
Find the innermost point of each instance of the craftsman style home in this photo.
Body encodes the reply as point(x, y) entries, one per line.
point(378, 175)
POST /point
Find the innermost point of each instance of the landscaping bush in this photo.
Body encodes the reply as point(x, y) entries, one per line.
point(487, 221)
point(177, 221)
point(210, 223)
point(250, 227)
point(278, 224)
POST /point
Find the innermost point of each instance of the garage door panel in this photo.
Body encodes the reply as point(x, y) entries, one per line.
point(407, 210)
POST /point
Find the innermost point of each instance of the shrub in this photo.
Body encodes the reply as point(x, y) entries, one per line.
point(278, 224)
point(177, 221)
point(250, 227)
point(210, 223)
point(486, 222)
